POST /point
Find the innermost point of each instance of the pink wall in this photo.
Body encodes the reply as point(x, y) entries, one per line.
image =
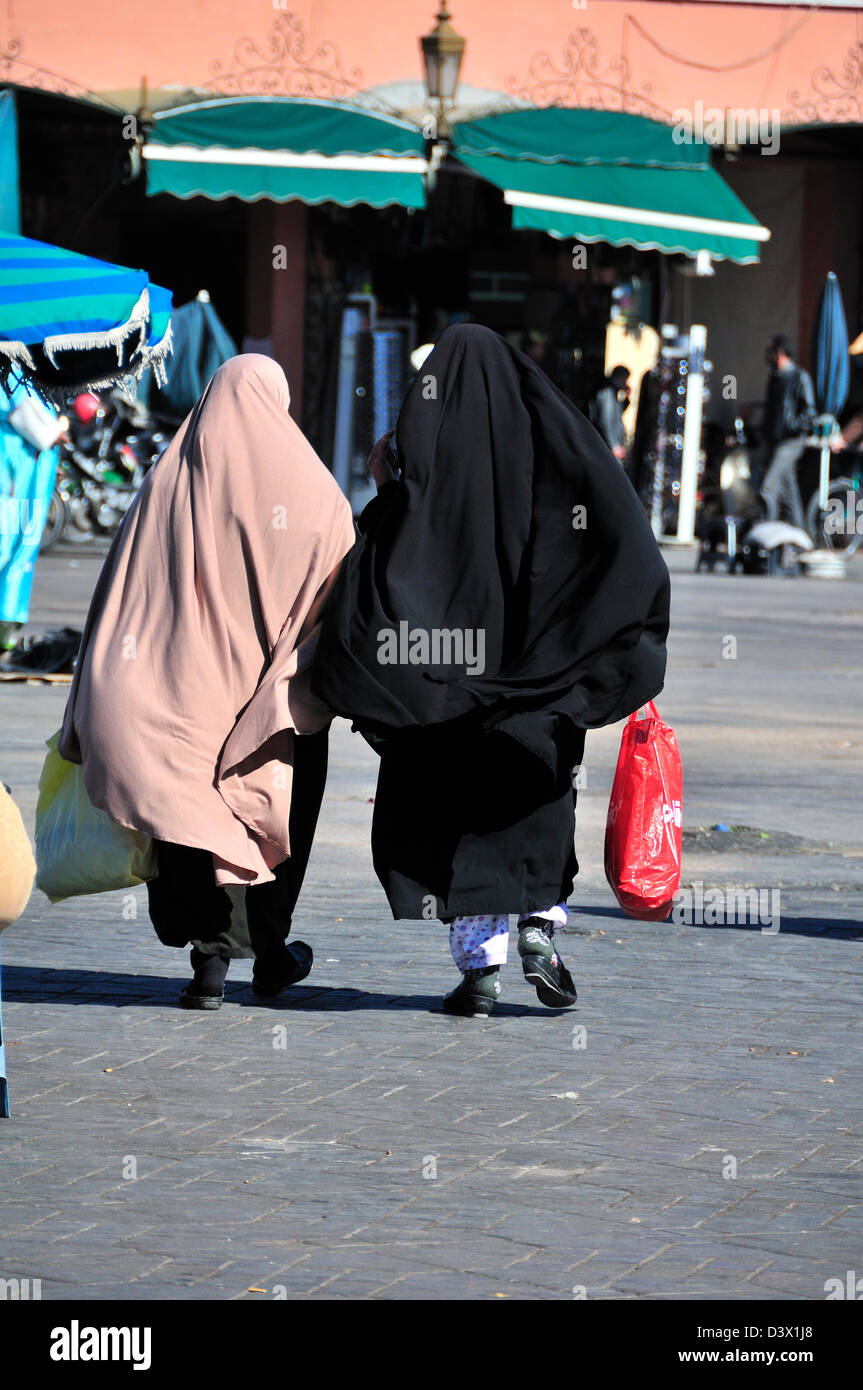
point(805, 62)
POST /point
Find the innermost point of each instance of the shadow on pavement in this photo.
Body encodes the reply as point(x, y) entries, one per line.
point(40, 985)
point(850, 928)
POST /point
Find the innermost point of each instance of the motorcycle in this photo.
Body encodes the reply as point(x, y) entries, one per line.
point(732, 527)
point(108, 447)
point(729, 502)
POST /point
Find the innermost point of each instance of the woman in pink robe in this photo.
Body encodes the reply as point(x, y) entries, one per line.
point(191, 710)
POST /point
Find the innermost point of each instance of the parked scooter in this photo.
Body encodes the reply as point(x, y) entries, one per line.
point(110, 446)
point(731, 525)
point(730, 502)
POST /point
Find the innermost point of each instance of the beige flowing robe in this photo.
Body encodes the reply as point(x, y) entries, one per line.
point(194, 670)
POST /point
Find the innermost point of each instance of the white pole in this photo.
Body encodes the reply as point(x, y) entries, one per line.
point(824, 477)
point(691, 434)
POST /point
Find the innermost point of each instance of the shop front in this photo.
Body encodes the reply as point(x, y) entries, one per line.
point(365, 239)
point(340, 213)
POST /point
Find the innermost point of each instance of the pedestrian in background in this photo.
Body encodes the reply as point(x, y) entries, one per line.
point(29, 433)
point(606, 411)
point(788, 417)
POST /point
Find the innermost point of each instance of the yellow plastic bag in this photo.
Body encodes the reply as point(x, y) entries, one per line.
point(79, 849)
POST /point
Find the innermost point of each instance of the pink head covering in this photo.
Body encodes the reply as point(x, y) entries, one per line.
point(195, 662)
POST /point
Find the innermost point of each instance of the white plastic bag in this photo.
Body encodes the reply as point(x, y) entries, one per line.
point(79, 849)
point(35, 423)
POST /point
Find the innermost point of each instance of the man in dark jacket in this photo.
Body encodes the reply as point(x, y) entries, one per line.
point(789, 415)
point(606, 411)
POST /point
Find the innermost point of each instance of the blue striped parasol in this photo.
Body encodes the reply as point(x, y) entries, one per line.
point(69, 323)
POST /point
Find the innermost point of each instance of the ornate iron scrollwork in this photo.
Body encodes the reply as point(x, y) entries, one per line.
point(582, 80)
point(17, 71)
point(282, 65)
point(830, 99)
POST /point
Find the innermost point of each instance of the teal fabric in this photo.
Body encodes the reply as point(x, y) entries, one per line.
point(293, 125)
point(201, 345)
point(347, 187)
point(10, 208)
point(691, 192)
point(26, 483)
point(607, 157)
point(287, 123)
point(552, 133)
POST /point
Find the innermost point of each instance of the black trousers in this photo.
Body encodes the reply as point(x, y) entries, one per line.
point(187, 907)
point(468, 823)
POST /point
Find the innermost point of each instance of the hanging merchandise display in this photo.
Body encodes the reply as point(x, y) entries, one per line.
point(668, 453)
point(374, 374)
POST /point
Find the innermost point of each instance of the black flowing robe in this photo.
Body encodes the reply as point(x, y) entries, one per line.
point(504, 595)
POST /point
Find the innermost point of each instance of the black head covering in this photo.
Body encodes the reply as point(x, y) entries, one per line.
point(484, 531)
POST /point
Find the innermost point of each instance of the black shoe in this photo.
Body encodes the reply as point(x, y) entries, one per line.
point(476, 994)
point(206, 990)
point(292, 964)
point(543, 966)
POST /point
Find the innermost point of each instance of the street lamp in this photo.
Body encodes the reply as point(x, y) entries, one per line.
point(442, 50)
point(141, 127)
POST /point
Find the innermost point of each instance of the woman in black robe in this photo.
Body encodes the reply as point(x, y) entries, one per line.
point(505, 594)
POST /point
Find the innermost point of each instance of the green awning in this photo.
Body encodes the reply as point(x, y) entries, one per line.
point(602, 176)
point(286, 148)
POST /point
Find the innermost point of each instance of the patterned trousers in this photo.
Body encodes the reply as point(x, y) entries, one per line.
point(477, 942)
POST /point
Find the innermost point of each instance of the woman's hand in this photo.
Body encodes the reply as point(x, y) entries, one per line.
point(378, 463)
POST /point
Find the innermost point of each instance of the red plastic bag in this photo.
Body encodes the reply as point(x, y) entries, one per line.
point(644, 830)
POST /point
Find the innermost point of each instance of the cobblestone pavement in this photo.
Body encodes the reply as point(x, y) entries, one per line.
point(693, 1128)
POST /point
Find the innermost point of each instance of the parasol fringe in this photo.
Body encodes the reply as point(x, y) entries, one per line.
point(18, 351)
point(19, 355)
point(112, 337)
point(155, 357)
point(151, 357)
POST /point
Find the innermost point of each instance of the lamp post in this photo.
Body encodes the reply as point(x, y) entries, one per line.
point(442, 50)
point(141, 126)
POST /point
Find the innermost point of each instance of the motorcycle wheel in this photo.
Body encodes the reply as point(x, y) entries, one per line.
point(55, 522)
